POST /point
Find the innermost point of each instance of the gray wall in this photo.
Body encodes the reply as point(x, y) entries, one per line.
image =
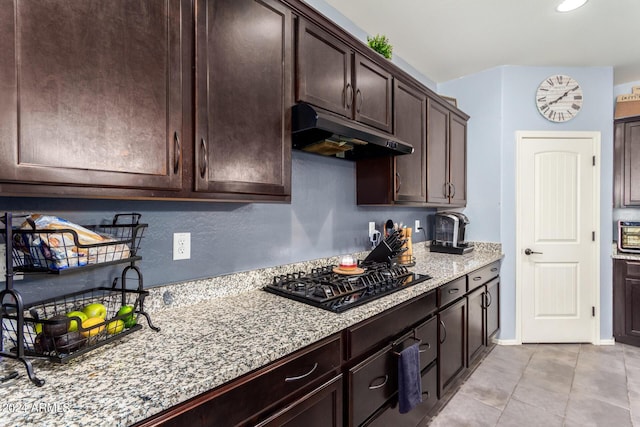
point(322, 220)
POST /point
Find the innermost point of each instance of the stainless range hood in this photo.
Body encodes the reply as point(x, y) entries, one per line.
point(323, 133)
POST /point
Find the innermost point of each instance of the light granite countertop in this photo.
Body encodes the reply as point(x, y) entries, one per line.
point(220, 329)
point(616, 254)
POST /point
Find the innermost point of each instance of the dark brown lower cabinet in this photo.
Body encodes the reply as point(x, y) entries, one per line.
point(493, 308)
point(371, 383)
point(320, 408)
point(626, 301)
point(391, 416)
point(476, 324)
point(452, 350)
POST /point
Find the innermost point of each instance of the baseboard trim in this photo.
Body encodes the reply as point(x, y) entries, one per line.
point(608, 341)
point(506, 342)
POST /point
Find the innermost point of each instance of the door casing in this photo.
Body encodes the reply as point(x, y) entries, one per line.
point(595, 138)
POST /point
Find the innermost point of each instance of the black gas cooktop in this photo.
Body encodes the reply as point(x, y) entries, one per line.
point(337, 292)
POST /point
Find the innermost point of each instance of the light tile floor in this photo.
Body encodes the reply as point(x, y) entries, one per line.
point(550, 385)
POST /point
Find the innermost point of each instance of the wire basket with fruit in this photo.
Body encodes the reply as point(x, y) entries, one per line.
point(62, 328)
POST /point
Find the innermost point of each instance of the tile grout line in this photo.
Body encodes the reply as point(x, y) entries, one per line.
point(516, 386)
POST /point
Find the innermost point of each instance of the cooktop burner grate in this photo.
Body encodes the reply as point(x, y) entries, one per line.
point(335, 292)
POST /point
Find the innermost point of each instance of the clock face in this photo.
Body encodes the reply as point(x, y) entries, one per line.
point(559, 98)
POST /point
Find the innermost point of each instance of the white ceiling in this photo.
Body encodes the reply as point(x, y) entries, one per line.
point(447, 39)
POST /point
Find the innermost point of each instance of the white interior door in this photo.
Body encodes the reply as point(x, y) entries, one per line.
point(558, 217)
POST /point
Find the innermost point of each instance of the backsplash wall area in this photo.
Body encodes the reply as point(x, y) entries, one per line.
point(322, 220)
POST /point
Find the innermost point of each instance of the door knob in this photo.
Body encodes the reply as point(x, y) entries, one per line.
point(529, 252)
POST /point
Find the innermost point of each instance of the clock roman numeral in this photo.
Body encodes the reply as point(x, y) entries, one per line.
point(550, 82)
point(552, 115)
point(561, 116)
point(569, 113)
point(542, 99)
point(544, 108)
point(577, 97)
point(559, 79)
point(575, 107)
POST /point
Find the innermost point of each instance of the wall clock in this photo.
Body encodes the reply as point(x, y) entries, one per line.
point(559, 98)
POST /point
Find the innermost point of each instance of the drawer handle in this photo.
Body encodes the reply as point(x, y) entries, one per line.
point(299, 377)
point(454, 291)
point(427, 345)
point(205, 157)
point(494, 269)
point(382, 384)
point(444, 328)
point(490, 298)
point(477, 278)
point(177, 152)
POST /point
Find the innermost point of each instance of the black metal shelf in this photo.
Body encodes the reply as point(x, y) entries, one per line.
point(27, 328)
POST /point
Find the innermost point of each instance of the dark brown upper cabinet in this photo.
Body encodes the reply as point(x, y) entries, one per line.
point(92, 93)
point(446, 156)
point(410, 108)
point(332, 76)
point(399, 179)
point(243, 97)
point(627, 162)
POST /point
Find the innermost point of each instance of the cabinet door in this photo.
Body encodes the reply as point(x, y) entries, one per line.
point(99, 101)
point(243, 97)
point(458, 160)
point(492, 302)
point(451, 351)
point(632, 164)
point(437, 154)
point(476, 324)
point(410, 126)
point(320, 408)
point(323, 70)
point(373, 96)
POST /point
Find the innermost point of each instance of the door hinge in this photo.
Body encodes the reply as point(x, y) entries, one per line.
point(593, 236)
point(594, 160)
point(593, 311)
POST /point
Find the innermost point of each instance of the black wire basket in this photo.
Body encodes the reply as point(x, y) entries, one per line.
point(63, 249)
point(57, 329)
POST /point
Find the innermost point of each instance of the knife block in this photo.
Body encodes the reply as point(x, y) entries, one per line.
point(407, 256)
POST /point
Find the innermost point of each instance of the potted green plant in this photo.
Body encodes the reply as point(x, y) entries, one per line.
point(380, 43)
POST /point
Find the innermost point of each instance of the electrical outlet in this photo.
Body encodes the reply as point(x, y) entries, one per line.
point(417, 225)
point(372, 228)
point(181, 246)
point(3, 267)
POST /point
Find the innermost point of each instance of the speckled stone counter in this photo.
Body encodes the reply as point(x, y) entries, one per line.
point(616, 254)
point(212, 332)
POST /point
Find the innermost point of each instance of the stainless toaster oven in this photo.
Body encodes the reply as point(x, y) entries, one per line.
point(629, 236)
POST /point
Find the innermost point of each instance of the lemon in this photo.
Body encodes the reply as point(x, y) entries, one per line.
point(115, 327)
point(91, 326)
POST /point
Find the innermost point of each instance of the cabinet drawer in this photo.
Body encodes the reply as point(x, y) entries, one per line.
point(392, 416)
point(371, 384)
point(482, 275)
point(247, 397)
point(633, 269)
point(387, 326)
point(452, 291)
point(428, 334)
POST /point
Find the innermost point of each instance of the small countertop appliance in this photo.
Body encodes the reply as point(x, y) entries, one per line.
point(449, 230)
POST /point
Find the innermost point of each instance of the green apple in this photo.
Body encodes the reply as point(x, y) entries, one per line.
point(73, 326)
point(95, 310)
point(129, 318)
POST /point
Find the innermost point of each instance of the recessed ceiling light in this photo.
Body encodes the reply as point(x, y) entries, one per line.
point(569, 5)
